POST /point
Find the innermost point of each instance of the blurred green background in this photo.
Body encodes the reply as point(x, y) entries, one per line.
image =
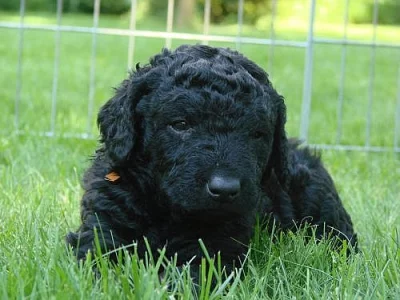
point(284, 64)
point(361, 11)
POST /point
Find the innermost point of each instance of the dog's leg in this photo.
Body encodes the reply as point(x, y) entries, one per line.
point(95, 235)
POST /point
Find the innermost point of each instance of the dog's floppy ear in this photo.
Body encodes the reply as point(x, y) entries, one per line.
point(116, 124)
point(279, 158)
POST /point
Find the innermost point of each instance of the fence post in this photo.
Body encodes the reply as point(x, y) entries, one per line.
point(308, 70)
point(207, 17)
point(342, 78)
point(240, 24)
point(57, 41)
point(396, 145)
point(170, 22)
point(19, 66)
point(132, 28)
point(92, 76)
point(371, 76)
point(272, 37)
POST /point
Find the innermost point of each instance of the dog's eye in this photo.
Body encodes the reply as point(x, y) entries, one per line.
point(258, 134)
point(180, 125)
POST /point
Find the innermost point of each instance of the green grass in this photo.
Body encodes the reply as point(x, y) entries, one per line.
point(40, 177)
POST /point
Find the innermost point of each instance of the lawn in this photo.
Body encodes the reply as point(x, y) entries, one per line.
point(40, 187)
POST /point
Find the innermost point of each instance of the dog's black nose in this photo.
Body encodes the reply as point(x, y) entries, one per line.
point(223, 188)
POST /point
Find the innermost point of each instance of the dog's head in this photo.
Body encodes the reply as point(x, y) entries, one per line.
point(206, 121)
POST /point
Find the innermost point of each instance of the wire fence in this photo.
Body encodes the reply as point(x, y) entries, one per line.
point(272, 42)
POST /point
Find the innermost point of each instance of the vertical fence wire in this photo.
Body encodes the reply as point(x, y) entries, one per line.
point(240, 24)
point(397, 115)
point(57, 41)
point(272, 42)
point(170, 22)
point(308, 70)
point(132, 27)
point(272, 37)
point(342, 78)
point(207, 16)
point(18, 92)
point(371, 76)
point(92, 76)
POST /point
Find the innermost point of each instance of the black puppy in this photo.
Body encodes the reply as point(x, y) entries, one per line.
point(193, 145)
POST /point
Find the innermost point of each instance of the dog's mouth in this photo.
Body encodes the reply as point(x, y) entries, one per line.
point(219, 213)
point(211, 217)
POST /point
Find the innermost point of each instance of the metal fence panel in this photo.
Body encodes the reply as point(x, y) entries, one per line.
point(271, 43)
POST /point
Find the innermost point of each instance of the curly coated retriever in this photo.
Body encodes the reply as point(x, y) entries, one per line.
point(193, 145)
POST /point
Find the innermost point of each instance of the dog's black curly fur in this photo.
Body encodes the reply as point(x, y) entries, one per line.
point(198, 141)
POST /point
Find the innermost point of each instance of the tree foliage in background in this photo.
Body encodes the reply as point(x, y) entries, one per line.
point(221, 10)
point(361, 11)
point(228, 9)
point(115, 7)
point(388, 12)
point(85, 6)
point(33, 5)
